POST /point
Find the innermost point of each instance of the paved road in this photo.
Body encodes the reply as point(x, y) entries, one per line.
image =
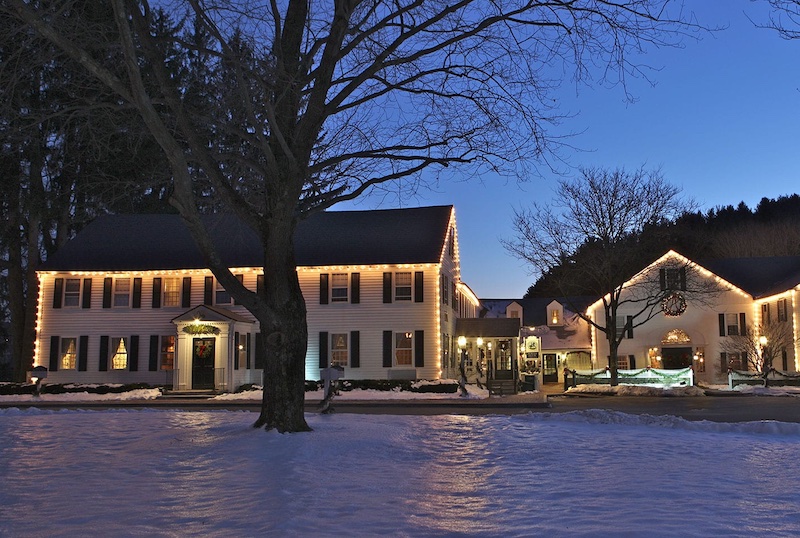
point(714, 408)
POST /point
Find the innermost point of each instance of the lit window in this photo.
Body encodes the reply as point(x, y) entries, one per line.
point(555, 317)
point(122, 292)
point(402, 289)
point(119, 361)
point(167, 352)
point(339, 349)
point(339, 288)
point(68, 354)
point(514, 314)
point(172, 292)
point(402, 349)
point(72, 292)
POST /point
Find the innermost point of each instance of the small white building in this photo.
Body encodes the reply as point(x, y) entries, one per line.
point(129, 300)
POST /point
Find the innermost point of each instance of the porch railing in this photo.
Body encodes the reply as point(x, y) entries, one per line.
point(646, 376)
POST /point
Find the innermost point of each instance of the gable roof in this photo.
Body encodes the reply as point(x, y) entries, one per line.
point(162, 242)
point(534, 309)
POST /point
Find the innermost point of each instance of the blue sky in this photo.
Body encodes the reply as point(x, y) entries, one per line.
point(722, 123)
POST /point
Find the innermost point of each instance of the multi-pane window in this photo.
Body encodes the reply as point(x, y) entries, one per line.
point(119, 348)
point(167, 352)
point(222, 295)
point(622, 362)
point(782, 310)
point(339, 349)
point(68, 354)
point(402, 349)
point(445, 285)
point(673, 278)
point(72, 292)
point(732, 324)
point(122, 292)
point(172, 291)
point(736, 361)
point(339, 287)
point(402, 286)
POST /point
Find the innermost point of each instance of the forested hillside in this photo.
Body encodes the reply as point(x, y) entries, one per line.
point(771, 229)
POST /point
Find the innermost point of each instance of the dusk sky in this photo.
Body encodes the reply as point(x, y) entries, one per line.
point(721, 123)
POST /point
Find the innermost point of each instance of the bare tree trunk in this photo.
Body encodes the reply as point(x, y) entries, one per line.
point(613, 350)
point(282, 316)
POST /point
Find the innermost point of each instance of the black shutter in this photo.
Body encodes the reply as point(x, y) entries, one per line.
point(248, 352)
point(723, 362)
point(83, 353)
point(722, 324)
point(103, 361)
point(260, 285)
point(683, 278)
point(742, 324)
point(418, 287)
point(86, 300)
point(355, 349)
point(632, 362)
point(107, 283)
point(58, 292)
point(387, 348)
point(133, 354)
point(208, 291)
point(54, 353)
point(154, 352)
point(662, 277)
point(355, 288)
point(387, 287)
point(259, 362)
point(419, 349)
point(137, 293)
point(236, 350)
point(186, 292)
point(323, 288)
point(156, 293)
point(323, 349)
point(629, 326)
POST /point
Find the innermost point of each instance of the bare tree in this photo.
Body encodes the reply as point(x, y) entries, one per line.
point(592, 239)
point(760, 345)
point(323, 102)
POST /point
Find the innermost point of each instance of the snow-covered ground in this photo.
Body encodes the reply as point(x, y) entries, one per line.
point(593, 473)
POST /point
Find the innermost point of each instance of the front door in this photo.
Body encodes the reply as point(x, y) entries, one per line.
point(503, 369)
point(203, 363)
point(549, 368)
point(675, 358)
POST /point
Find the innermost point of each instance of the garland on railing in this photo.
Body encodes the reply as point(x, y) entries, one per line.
point(760, 375)
point(200, 328)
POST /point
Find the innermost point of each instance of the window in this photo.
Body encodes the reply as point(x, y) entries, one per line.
point(622, 362)
point(68, 354)
point(445, 285)
point(119, 360)
point(172, 292)
point(736, 361)
point(72, 292)
point(782, 310)
point(122, 292)
point(167, 352)
point(732, 324)
point(623, 326)
point(222, 296)
point(402, 348)
point(514, 314)
point(765, 313)
point(402, 287)
point(339, 288)
point(555, 317)
point(339, 349)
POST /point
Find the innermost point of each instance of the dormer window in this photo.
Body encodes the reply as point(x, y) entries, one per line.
point(555, 317)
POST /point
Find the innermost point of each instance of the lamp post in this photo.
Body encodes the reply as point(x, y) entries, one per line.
point(462, 380)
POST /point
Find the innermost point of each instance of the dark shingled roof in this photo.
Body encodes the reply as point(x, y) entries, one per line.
point(534, 309)
point(161, 242)
point(487, 327)
point(760, 277)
